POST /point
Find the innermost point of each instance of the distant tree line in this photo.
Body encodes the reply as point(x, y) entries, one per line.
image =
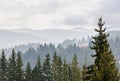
point(31, 54)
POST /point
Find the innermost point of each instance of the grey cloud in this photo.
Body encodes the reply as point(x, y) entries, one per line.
point(111, 6)
point(111, 11)
point(75, 20)
point(108, 9)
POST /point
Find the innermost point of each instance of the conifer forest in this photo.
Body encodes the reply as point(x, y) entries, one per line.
point(59, 40)
point(57, 68)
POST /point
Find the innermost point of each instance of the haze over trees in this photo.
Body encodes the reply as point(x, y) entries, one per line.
point(55, 64)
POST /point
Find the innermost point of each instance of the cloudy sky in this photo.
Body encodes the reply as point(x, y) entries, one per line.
point(64, 14)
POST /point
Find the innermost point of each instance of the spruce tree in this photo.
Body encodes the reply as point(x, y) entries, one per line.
point(19, 65)
point(47, 69)
point(12, 67)
point(76, 75)
point(55, 67)
point(34, 74)
point(37, 71)
point(84, 74)
point(28, 73)
point(104, 67)
point(84, 70)
point(59, 72)
point(3, 67)
point(70, 77)
point(65, 70)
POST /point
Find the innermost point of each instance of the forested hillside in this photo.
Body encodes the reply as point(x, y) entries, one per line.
point(50, 69)
point(66, 50)
point(90, 59)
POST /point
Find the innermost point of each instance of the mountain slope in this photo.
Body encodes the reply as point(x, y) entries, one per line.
point(10, 38)
point(58, 35)
point(14, 37)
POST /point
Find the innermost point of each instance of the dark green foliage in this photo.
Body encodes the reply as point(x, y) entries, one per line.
point(34, 74)
point(13, 71)
point(37, 71)
point(76, 75)
point(60, 75)
point(84, 74)
point(55, 67)
point(3, 67)
point(104, 68)
point(65, 71)
point(28, 73)
point(70, 76)
point(47, 72)
point(12, 67)
point(19, 65)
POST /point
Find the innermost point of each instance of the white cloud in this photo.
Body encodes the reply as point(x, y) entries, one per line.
point(40, 14)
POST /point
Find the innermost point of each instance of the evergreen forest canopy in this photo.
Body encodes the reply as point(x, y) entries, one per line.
point(55, 67)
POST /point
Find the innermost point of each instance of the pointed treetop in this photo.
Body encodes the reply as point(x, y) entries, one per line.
point(100, 25)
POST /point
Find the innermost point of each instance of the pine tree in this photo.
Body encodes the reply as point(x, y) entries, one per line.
point(3, 67)
point(28, 73)
point(47, 69)
point(37, 71)
point(104, 67)
point(65, 70)
point(12, 67)
point(76, 75)
point(19, 65)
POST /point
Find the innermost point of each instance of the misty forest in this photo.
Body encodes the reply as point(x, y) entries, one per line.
point(93, 59)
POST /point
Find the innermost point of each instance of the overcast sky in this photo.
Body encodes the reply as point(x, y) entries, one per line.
point(65, 14)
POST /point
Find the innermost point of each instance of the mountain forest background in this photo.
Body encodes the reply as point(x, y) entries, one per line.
point(70, 60)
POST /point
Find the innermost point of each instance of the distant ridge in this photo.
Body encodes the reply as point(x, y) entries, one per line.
point(13, 37)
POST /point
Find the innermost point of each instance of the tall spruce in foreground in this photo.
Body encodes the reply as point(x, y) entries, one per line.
point(104, 67)
point(47, 73)
point(3, 67)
